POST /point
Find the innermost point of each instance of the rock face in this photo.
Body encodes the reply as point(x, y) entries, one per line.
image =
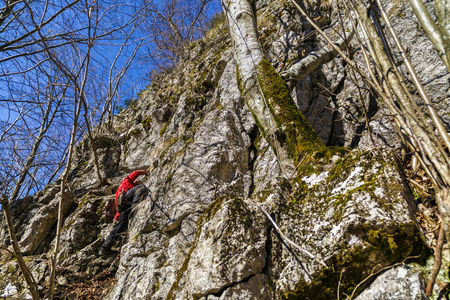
point(201, 233)
point(397, 283)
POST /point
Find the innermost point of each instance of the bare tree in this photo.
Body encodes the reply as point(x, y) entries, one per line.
point(45, 53)
point(171, 25)
point(51, 110)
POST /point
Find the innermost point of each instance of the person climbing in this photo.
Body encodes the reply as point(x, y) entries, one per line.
point(129, 193)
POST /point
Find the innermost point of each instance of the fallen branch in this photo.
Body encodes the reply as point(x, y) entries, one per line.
point(437, 261)
point(286, 239)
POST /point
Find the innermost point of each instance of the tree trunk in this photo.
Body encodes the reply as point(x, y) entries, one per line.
point(265, 92)
point(315, 59)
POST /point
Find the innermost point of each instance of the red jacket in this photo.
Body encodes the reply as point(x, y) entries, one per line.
point(127, 184)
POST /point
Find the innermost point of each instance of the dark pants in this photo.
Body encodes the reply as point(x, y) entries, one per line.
point(133, 196)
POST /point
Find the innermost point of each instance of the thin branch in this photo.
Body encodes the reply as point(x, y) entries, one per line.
point(38, 28)
point(437, 261)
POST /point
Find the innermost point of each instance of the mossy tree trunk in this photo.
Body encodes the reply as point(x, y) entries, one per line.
point(265, 92)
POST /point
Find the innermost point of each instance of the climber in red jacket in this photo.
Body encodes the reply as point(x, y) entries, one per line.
point(132, 193)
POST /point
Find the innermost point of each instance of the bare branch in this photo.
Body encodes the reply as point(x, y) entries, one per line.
point(315, 59)
point(430, 28)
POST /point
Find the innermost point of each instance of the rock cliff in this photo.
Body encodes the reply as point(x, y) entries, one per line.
point(348, 221)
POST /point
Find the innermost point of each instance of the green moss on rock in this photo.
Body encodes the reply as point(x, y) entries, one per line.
point(383, 244)
point(135, 132)
point(349, 270)
point(293, 129)
point(146, 123)
point(164, 128)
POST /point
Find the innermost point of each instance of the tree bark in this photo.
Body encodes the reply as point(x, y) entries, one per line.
point(442, 8)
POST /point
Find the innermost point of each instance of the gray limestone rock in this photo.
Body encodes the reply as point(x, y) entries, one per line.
point(253, 288)
point(349, 210)
point(220, 258)
point(82, 227)
point(399, 283)
point(40, 225)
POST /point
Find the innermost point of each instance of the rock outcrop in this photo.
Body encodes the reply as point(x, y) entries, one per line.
point(201, 233)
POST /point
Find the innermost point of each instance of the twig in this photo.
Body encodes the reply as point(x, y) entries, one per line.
point(7, 250)
point(437, 261)
point(419, 186)
point(339, 285)
point(215, 190)
point(288, 240)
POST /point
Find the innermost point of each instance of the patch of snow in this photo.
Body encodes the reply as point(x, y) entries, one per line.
point(379, 192)
point(9, 291)
point(347, 185)
point(314, 179)
point(354, 240)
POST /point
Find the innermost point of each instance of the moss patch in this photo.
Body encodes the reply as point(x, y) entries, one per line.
point(355, 268)
point(385, 244)
point(146, 123)
point(101, 209)
point(293, 129)
point(135, 132)
point(382, 250)
point(164, 128)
